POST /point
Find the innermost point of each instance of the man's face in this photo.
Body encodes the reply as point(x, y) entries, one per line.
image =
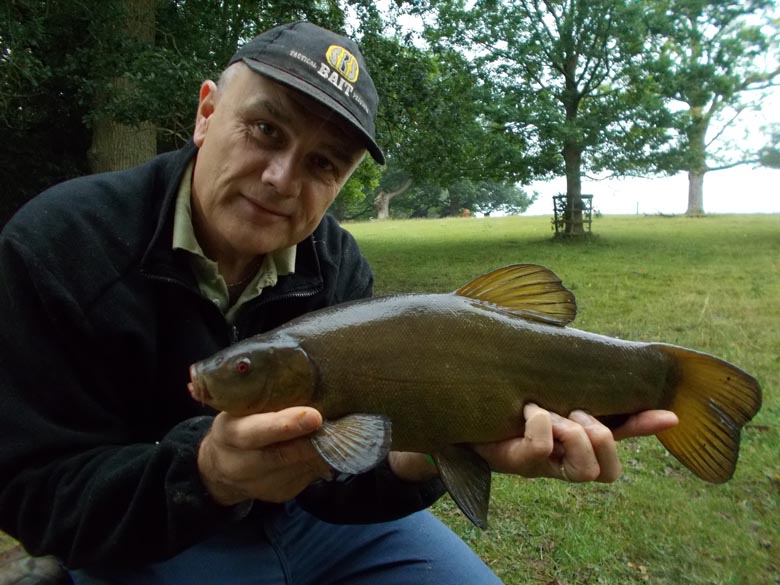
point(269, 164)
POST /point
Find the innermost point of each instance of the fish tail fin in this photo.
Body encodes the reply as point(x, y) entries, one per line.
point(713, 400)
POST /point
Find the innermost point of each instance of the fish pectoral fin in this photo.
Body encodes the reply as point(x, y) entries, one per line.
point(355, 443)
point(526, 290)
point(467, 477)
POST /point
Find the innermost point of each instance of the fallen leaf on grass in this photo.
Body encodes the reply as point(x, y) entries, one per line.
point(641, 569)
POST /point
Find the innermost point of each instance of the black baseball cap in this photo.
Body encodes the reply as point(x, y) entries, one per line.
point(323, 65)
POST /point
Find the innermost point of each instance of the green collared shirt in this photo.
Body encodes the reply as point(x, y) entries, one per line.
point(210, 281)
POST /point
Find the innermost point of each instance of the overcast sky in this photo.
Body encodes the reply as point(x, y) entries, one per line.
point(742, 189)
point(739, 190)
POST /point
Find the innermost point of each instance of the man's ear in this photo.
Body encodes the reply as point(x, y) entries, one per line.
point(206, 104)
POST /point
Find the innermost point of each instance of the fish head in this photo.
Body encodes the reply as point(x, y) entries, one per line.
point(255, 375)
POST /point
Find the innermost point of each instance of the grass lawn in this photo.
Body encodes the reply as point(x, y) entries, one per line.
point(711, 284)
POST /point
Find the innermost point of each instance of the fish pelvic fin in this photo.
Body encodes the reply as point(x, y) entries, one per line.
point(467, 479)
point(527, 290)
point(355, 443)
point(713, 400)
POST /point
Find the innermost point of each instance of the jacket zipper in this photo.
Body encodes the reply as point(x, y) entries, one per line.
point(231, 330)
point(235, 333)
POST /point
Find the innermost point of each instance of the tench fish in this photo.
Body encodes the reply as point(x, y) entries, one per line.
point(432, 373)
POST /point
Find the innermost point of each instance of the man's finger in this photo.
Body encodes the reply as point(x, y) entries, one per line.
point(257, 431)
point(650, 422)
point(578, 454)
point(603, 444)
point(538, 436)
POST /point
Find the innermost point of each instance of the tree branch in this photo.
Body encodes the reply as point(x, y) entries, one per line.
point(737, 114)
point(731, 165)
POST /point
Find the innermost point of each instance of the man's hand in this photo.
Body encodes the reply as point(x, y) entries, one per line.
point(578, 448)
point(265, 456)
point(411, 466)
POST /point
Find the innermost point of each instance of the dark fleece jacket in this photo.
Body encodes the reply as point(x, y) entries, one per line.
point(101, 320)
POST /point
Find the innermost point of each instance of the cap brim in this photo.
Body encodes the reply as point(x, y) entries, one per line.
point(314, 92)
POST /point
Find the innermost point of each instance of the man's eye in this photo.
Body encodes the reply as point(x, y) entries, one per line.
point(322, 163)
point(266, 129)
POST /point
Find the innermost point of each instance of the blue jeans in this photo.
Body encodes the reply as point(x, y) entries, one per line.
point(298, 549)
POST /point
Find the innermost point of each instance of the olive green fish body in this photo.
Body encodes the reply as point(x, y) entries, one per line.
point(447, 369)
point(430, 373)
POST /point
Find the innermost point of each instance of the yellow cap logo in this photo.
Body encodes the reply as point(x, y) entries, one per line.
point(344, 62)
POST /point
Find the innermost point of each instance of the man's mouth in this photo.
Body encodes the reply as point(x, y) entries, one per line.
point(266, 209)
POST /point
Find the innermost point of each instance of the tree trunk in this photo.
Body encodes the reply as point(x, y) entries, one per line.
point(382, 204)
point(453, 203)
point(572, 147)
point(383, 198)
point(117, 146)
point(695, 194)
point(572, 158)
point(697, 166)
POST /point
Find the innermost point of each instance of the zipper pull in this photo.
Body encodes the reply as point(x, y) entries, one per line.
point(233, 334)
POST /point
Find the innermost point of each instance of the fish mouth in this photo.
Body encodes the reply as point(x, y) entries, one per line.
point(197, 387)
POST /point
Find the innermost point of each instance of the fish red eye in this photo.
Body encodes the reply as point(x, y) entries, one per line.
point(243, 365)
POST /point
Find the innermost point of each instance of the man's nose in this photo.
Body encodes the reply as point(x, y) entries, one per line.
point(283, 173)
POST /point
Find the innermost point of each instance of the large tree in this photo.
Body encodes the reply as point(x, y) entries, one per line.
point(711, 60)
point(563, 68)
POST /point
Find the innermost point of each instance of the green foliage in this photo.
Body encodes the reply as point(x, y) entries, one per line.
point(710, 284)
point(65, 63)
point(434, 116)
point(769, 156)
point(352, 202)
point(44, 140)
point(501, 92)
point(432, 109)
point(462, 196)
point(710, 58)
point(561, 72)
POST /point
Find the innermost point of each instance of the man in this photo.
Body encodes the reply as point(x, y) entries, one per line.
point(112, 285)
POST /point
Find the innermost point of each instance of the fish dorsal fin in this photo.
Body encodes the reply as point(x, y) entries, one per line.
point(527, 290)
point(467, 479)
point(355, 443)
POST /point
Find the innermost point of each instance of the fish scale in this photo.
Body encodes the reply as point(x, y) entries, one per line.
point(457, 365)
